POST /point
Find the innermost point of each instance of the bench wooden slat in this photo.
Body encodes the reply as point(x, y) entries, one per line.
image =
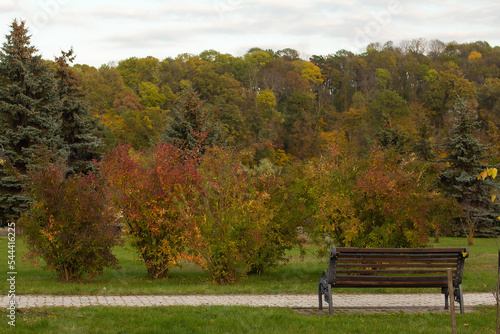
point(390, 281)
point(398, 250)
point(398, 256)
point(340, 278)
point(394, 271)
point(396, 261)
point(388, 284)
point(390, 265)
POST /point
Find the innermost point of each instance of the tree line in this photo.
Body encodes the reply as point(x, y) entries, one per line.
point(274, 101)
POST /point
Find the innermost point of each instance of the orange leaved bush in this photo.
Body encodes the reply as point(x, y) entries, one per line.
point(149, 190)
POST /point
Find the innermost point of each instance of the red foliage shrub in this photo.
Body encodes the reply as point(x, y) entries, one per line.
point(71, 224)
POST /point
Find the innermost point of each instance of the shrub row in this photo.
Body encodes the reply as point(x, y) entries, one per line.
point(229, 219)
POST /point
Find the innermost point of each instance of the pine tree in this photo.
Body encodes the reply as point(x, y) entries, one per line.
point(465, 159)
point(78, 128)
point(192, 128)
point(422, 145)
point(29, 114)
point(392, 137)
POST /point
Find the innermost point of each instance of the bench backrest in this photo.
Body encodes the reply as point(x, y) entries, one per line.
point(395, 267)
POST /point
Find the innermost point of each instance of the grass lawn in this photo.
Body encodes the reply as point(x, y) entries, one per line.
point(218, 319)
point(298, 276)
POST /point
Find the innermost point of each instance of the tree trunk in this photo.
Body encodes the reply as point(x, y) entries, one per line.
point(470, 236)
point(436, 235)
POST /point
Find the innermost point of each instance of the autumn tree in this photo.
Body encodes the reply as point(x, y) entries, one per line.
point(301, 135)
point(264, 123)
point(135, 71)
point(225, 97)
point(489, 95)
point(103, 86)
point(444, 87)
point(29, 113)
point(255, 60)
point(387, 105)
point(150, 95)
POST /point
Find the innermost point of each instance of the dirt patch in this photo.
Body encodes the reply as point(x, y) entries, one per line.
point(381, 310)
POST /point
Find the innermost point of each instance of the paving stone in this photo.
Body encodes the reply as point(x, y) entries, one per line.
point(290, 301)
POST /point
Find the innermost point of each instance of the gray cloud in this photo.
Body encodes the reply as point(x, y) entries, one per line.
point(314, 26)
point(309, 22)
point(130, 13)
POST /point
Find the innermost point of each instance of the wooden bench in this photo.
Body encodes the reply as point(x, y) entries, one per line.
point(393, 268)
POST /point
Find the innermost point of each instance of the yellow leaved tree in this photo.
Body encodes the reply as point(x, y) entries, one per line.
point(492, 172)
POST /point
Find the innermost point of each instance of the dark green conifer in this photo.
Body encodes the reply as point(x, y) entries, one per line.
point(422, 145)
point(466, 157)
point(29, 114)
point(78, 128)
point(192, 127)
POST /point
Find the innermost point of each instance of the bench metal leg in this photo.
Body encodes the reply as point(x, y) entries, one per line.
point(459, 297)
point(325, 290)
point(330, 301)
point(320, 295)
point(322, 290)
point(446, 298)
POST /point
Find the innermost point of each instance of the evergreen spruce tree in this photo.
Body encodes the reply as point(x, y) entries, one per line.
point(78, 128)
point(422, 145)
point(29, 114)
point(192, 127)
point(392, 137)
point(465, 158)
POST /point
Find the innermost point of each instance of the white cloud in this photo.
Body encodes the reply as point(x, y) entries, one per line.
point(116, 29)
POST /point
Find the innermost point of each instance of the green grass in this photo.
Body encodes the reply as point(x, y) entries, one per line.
point(219, 319)
point(299, 276)
point(481, 268)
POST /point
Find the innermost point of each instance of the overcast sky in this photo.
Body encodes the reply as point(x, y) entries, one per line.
point(112, 30)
